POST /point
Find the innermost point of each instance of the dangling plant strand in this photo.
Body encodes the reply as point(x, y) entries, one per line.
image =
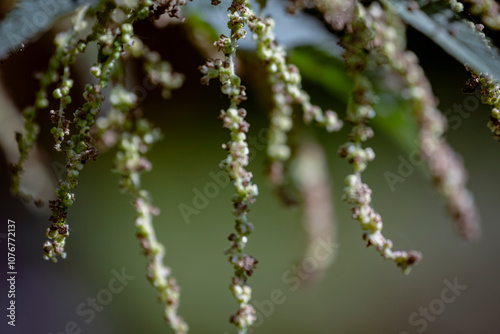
point(66, 48)
point(235, 164)
point(111, 38)
point(78, 150)
point(446, 167)
point(125, 125)
point(359, 112)
point(70, 42)
point(285, 81)
point(133, 143)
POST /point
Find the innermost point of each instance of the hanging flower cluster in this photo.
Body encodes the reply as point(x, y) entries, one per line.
point(357, 47)
point(135, 138)
point(237, 159)
point(445, 166)
point(123, 125)
point(285, 81)
point(67, 46)
point(111, 37)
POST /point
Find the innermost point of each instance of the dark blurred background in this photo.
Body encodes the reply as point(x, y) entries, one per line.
point(359, 293)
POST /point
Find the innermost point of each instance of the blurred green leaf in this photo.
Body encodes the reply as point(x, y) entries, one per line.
point(395, 121)
point(392, 118)
point(201, 29)
point(322, 68)
point(452, 34)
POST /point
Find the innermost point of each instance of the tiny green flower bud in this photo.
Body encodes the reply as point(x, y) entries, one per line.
point(95, 71)
point(66, 100)
point(57, 93)
point(127, 28)
point(73, 174)
point(81, 47)
point(42, 103)
point(68, 83)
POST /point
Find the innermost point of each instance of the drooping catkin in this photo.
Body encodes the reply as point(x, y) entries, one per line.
point(286, 91)
point(233, 119)
point(445, 165)
point(66, 47)
point(112, 33)
point(360, 110)
point(79, 148)
point(133, 143)
point(134, 135)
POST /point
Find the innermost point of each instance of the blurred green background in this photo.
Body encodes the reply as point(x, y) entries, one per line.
point(359, 293)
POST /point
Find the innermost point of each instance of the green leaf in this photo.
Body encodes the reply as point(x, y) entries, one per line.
point(395, 122)
point(29, 19)
point(201, 30)
point(320, 67)
point(327, 71)
point(452, 34)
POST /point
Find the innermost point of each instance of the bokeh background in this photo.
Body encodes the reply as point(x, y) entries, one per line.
point(359, 293)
